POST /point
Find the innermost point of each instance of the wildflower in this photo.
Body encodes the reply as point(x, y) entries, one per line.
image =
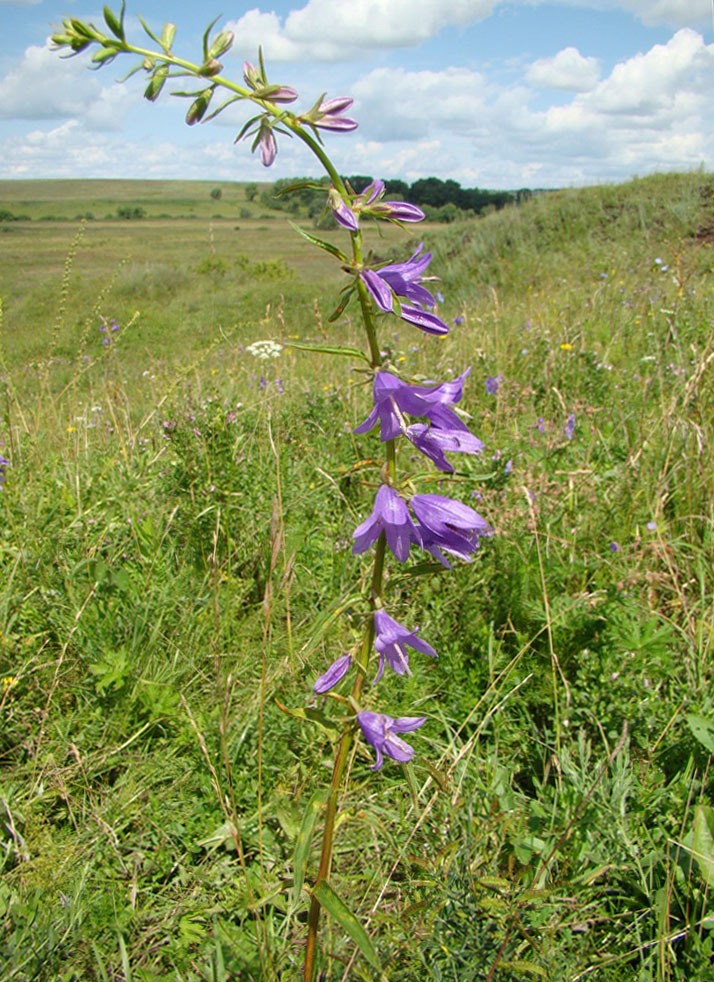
point(434, 442)
point(4, 464)
point(448, 525)
point(334, 674)
point(569, 428)
point(326, 114)
point(652, 526)
point(253, 78)
point(540, 424)
point(404, 280)
point(391, 516)
point(369, 202)
point(566, 346)
point(615, 547)
point(264, 349)
point(267, 143)
point(393, 398)
point(391, 638)
point(380, 731)
point(492, 384)
point(458, 320)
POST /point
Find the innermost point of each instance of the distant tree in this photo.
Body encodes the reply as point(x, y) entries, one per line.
point(216, 194)
point(396, 188)
point(126, 211)
point(251, 192)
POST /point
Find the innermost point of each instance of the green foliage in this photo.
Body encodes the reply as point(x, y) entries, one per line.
point(175, 567)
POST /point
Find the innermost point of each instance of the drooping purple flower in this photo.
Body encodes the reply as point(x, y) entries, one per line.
point(381, 733)
point(394, 398)
point(405, 280)
point(391, 638)
point(334, 674)
point(492, 384)
point(344, 215)
point(434, 442)
point(369, 202)
point(268, 144)
point(447, 525)
point(569, 428)
point(391, 516)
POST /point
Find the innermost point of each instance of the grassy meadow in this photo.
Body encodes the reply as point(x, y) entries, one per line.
point(176, 566)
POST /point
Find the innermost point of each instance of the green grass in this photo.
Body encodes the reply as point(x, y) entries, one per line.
point(175, 560)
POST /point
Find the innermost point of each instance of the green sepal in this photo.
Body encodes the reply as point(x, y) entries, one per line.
point(208, 30)
point(151, 34)
point(329, 349)
point(103, 57)
point(197, 109)
point(321, 244)
point(337, 909)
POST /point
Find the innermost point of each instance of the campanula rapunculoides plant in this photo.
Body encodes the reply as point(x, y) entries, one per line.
point(413, 415)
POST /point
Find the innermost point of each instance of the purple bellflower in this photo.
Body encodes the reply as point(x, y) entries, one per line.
point(569, 428)
point(393, 398)
point(391, 639)
point(446, 525)
point(381, 733)
point(267, 143)
point(253, 78)
point(334, 674)
point(492, 384)
point(369, 202)
point(4, 464)
point(326, 114)
point(391, 516)
point(435, 442)
point(405, 280)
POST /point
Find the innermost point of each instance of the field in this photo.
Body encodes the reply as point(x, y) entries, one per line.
point(176, 570)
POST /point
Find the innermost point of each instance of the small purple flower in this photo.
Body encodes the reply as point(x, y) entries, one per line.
point(569, 428)
point(458, 320)
point(492, 384)
point(391, 638)
point(279, 386)
point(4, 464)
point(334, 674)
point(268, 144)
point(253, 78)
point(369, 202)
point(380, 732)
point(262, 383)
point(327, 115)
point(540, 424)
point(615, 547)
point(446, 525)
point(651, 526)
point(404, 280)
point(391, 516)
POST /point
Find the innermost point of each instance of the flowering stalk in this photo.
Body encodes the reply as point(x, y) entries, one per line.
point(423, 415)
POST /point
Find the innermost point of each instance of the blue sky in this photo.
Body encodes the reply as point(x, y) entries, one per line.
point(492, 93)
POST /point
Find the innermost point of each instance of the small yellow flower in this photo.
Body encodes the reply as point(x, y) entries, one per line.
point(566, 346)
point(8, 682)
point(71, 429)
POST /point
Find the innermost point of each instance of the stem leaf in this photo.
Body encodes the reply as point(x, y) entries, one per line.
point(329, 349)
point(321, 244)
point(304, 840)
point(312, 716)
point(337, 909)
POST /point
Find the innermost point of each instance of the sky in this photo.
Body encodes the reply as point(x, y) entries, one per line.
point(497, 94)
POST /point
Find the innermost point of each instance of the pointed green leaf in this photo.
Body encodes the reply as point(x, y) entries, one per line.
point(304, 840)
point(148, 30)
point(167, 36)
point(336, 908)
point(312, 716)
point(703, 842)
point(329, 349)
point(702, 729)
point(321, 244)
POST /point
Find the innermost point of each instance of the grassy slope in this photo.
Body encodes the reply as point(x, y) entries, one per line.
point(159, 507)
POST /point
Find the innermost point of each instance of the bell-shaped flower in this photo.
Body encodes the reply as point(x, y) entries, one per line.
point(381, 733)
point(391, 516)
point(447, 525)
point(262, 89)
point(393, 399)
point(391, 639)
point(434, 443)
point(405, 280)
point(369, 202)
point(326, 114)
point(334, 674)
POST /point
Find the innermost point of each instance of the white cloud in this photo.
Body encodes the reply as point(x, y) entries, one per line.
point(336, 30)
point(567, 70)
point(44, 86)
